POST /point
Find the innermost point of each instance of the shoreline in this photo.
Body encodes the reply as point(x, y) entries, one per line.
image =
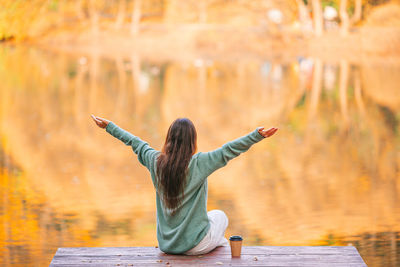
point(363, 45)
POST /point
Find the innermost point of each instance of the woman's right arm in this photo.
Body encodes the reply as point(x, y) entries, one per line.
point(213, 160)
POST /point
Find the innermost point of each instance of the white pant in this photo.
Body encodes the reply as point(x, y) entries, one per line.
point(215, 235)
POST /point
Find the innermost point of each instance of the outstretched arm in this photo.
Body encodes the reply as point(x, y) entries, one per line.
point(211, 161)
point(145, 153)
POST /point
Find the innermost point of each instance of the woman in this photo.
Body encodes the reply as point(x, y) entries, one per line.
point(179, 175)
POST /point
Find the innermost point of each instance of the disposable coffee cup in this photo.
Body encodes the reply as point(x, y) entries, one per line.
point(236, 245)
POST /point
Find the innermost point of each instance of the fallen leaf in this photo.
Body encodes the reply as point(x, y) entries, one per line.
point(255, 258)
point(219, 263)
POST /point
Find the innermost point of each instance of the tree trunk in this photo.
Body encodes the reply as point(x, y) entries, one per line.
point(79, 11)
point(304, 15)
point(94, 66)
point(344, 18)
point(135, 65)
point(317, 17)
point(315, 90)
point(357, 12)
point(343, 82)
point(94, 17)
point(121, 93)
point(203, 11)
point(121, 14)
point(136, 14)
point(357, 93)
point(303, 12)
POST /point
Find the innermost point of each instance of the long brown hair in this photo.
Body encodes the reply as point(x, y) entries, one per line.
point(172, 164)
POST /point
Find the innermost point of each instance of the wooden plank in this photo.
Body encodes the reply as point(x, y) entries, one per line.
point(220, 251)
point(216, 263)
point(251, 256)
point(145, 257)
point(123, 258)
point(111, 259)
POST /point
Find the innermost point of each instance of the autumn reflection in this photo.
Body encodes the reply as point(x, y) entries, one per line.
point(330, 177)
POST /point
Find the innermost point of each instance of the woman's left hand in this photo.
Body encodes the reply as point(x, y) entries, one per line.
point(102, 123)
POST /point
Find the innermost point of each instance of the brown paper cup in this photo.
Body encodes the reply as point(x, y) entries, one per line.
point(236, 248)
point(236, 245)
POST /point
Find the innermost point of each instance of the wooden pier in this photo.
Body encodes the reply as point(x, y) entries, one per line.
point(251, 256)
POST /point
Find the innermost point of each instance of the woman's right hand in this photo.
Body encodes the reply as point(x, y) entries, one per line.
point(102, 123)
point(267, 133)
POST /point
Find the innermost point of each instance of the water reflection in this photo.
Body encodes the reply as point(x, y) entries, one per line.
point(330, 177)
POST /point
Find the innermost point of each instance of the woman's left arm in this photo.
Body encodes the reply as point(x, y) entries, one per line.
point(145, 153)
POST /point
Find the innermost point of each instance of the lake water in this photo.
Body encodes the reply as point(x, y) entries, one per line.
point(330, 176)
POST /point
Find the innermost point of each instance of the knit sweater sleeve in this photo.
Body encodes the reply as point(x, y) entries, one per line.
point(145, 153)
point(213, 160)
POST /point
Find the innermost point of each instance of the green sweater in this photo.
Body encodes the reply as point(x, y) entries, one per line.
point(186, 228)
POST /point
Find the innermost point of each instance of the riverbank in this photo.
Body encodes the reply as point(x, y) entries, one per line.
point(187, 42)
